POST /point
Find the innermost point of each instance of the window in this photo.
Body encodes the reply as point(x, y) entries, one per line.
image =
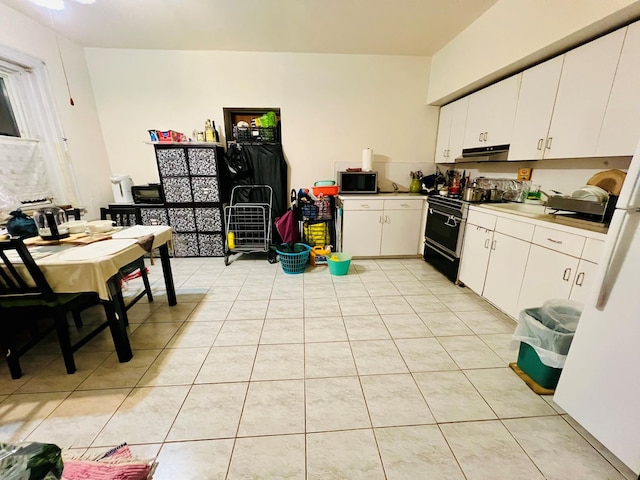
point(34, 164)
point(8, 125)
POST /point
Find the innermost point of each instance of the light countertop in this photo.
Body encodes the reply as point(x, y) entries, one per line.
point(380, 196)
point(536, 214)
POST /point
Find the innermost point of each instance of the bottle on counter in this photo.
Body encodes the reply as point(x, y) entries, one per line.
point(209, 135)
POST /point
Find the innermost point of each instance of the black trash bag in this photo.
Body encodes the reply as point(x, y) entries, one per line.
point(20, 225)
point(235, 163)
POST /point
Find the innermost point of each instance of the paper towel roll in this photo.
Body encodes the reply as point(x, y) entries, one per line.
point(367, 159)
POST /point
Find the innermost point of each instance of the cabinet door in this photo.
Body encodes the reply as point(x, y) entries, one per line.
point(491, 114)
point(585, 84)
point(507, 264)
point(361, 232)
point(475, 257)
point(444, 130)
point(550, 274)
point(580, 291)
point(458, 126)
point(398, 232)
point(535, 106)
point(619, 134)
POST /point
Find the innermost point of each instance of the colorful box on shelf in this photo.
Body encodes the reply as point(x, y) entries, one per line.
point(169, 136)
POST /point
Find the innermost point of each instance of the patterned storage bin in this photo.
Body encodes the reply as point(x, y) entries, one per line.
point(202, 161)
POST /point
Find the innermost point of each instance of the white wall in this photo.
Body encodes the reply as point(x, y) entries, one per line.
point(80, 123)
point(514, 34)
point(332, 106)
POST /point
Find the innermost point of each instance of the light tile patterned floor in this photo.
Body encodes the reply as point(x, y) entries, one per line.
point(388, 372)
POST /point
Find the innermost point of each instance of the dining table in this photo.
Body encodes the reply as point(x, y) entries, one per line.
point(92, 262)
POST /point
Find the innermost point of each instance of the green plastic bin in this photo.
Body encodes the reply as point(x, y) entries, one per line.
point(339, 266)
point(530, 363)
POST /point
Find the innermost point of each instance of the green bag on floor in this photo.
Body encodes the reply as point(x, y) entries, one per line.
point(30, 461)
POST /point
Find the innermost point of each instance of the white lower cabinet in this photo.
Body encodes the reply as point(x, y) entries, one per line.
point(581, 288)
point(389, 227)
point(515, 264)
point(397, 231)
point(361, 233)
point(505, 272)
point(550, 275)
point(475, 257)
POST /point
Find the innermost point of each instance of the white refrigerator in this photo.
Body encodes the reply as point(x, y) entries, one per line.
point(600, 383)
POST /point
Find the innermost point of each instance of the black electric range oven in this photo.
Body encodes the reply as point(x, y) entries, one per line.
point(444, 233)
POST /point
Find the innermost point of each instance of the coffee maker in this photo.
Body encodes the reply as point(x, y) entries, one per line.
point(50, 223)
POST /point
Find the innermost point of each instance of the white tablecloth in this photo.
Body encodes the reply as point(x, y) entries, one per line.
point(87, 268)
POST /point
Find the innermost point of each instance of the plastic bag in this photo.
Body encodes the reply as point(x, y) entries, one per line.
point(20, 225)
point(30, 461)
point(549, 330)
point(235, 163)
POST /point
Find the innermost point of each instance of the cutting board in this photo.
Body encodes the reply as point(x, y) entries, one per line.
point(609, 180)
point(73, 239)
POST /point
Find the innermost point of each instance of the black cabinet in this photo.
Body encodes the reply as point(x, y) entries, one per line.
point(196, 184)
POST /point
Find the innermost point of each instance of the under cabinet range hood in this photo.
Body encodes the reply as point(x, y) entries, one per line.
point(494, 153)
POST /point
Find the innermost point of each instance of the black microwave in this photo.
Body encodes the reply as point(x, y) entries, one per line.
point(358, 182)
point(151, 193)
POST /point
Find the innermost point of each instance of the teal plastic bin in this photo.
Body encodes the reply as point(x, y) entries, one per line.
point(339, 263)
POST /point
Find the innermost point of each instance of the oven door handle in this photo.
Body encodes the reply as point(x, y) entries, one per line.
point(451, 219)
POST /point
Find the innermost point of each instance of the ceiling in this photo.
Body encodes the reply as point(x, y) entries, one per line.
point(385, 27)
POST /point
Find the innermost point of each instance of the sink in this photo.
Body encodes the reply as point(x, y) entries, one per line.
point(527, 208)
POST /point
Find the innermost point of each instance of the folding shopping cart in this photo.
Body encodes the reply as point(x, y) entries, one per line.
point(248, 221)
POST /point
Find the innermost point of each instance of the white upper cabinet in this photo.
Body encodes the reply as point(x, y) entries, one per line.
point(535, 106)
point(444, 132)
point(491, 114)
point(621, 127)
point(453, 118)
point(583, 93)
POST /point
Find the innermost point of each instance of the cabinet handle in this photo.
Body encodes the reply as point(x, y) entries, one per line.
point(493, 244)
point(387, 219)
point(580, 279)
point(558, 242)
point(484, 136)
point(405, 205)
point(540, 144)
point(486, 243)
point(380, 219)
point(444, 153)
point(548, 144)
point(364, 205)
point(566, 274)
point(448, 153)
point(480, 137)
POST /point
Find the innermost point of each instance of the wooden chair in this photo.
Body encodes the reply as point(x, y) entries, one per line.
point(128, 217)
point(25, 296)
point(72, 213)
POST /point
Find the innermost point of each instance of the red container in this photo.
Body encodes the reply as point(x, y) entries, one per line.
point(169, 136)
point(327, 191)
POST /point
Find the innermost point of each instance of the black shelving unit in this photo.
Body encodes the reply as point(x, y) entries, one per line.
point(196, 184)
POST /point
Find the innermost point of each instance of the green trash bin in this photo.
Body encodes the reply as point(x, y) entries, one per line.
point(545, 334)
